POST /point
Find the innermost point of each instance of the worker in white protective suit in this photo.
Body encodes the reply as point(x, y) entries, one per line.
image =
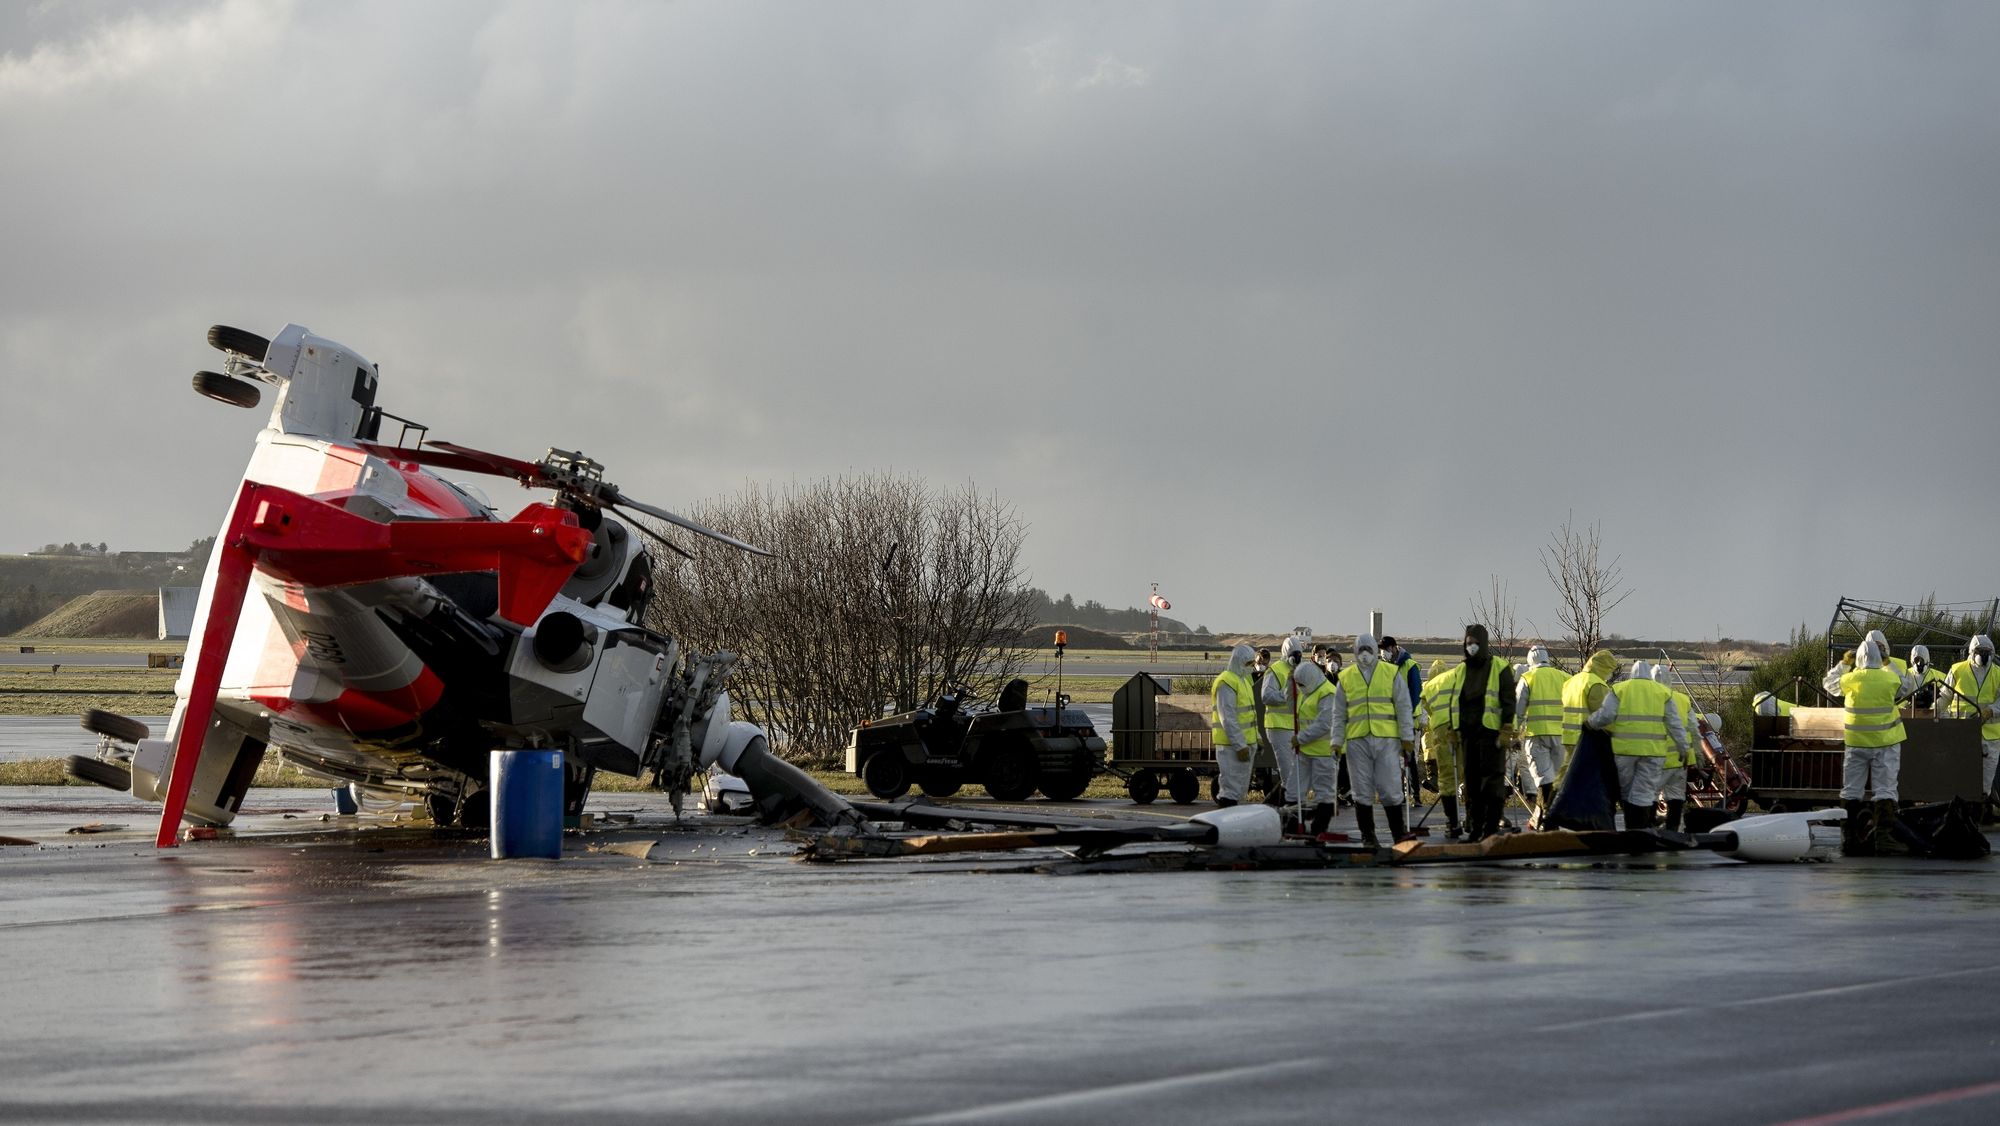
point(1232, 726)
point(1924, 698)
point(1317, 762)
point(1894, 664)
point(1538, 715)
point(1975, 692)
point(1674, 771)
point(1373, 729)
point(1873, 735)
point(1646, 730)
point(1281, 706)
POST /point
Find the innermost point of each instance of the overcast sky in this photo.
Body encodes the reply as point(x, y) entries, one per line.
point(1299, 309)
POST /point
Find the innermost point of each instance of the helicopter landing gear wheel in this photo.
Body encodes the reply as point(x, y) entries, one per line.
point(112, 725)
point(236, 340)
point(107, 774)
point(886, 775)
point(226, 389)
point(1143, 787)
point(1184, 786)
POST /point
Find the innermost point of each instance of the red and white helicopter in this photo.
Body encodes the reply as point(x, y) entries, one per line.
point(385, 629)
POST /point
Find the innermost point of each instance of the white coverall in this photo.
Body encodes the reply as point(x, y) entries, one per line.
point(1374, 762)
point(1319, 771)
point(1233, 763)
point(1278, 698)
point(1989, 749)
point(1863, 769)
point(1542, 754)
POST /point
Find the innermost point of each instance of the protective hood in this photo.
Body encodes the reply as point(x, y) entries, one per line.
point(1365, 652)
point(1602, 663)
point(1869, 656)
point(1538, 656)
point(1640, 671)
point(1475, 634)
point(1920, 654)
point(1240, 658)
point(1660, 673)
point(1979, 641)
point(1310, 677)
point(1881, 641)
point(1292, 647)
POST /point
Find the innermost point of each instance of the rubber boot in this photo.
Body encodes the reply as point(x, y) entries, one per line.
point(1451, 830)
point(1224, 803)
point(1322, 817)
point(1364, 818)
point(1399, 825)
point(1674, 809)
point(1886, 841)
point(1856, 833)
point(1542, 810)
point(1637, 816)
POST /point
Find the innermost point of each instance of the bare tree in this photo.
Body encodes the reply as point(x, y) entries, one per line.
point(883, 592)
point(1494, 608)
point(1587, 588)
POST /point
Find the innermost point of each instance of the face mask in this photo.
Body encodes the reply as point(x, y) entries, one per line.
point(1472, 649)
point(1390, 654)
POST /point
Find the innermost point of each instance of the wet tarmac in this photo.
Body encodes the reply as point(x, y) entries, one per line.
point(305, 973)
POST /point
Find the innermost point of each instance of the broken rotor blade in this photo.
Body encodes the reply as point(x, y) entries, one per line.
point(684, 522)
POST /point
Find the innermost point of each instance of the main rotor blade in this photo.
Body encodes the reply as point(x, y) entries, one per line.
point(657, 537)
point(437, 459)
point(684, 522)
point(526, 472)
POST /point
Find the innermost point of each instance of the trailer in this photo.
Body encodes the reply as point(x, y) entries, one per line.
point(1160, 741)
point(1796, 760)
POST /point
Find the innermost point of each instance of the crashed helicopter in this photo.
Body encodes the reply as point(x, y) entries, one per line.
point(385, 628)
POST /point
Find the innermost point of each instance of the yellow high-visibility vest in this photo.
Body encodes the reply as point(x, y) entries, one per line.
point(1371, 702)
point(1576, 704)
point(1490, 716)
point(1280, 714)
point(1685, 703)
point(1246, 708)
point(1545, 701)
point(1964, 682)
point(1309, 705)
point(1871, 708)
point(1441, 700)
point(1641, 727)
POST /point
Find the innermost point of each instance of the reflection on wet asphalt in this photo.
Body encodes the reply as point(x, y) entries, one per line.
point(308, 973)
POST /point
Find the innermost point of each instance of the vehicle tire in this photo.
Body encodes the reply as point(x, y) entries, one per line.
point(122, 728)
point(886, 774)
point(1184, 786)
point(226, 389)
point(1067, 786)
point(1010, 773)
point(110, 775)
point(236, 340)
point(1143, 788)
point(937, 787)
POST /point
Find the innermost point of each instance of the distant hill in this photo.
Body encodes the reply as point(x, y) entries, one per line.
point(1092, 614)
point(35, 586)
point(102, 613)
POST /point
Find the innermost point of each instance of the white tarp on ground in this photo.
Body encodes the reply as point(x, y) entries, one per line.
point(177, 612)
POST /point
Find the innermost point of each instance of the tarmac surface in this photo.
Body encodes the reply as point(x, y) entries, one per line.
point(306, 972)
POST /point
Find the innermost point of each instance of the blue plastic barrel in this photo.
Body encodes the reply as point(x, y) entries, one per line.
point(527, 793)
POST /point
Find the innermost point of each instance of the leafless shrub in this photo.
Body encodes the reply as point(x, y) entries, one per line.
point(1494, 609)
point(1587, 588)
point(883, 591)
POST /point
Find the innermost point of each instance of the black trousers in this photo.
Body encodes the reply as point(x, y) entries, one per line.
point(1485, 780)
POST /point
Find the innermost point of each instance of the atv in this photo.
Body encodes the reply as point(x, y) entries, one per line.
point(1012, 750)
